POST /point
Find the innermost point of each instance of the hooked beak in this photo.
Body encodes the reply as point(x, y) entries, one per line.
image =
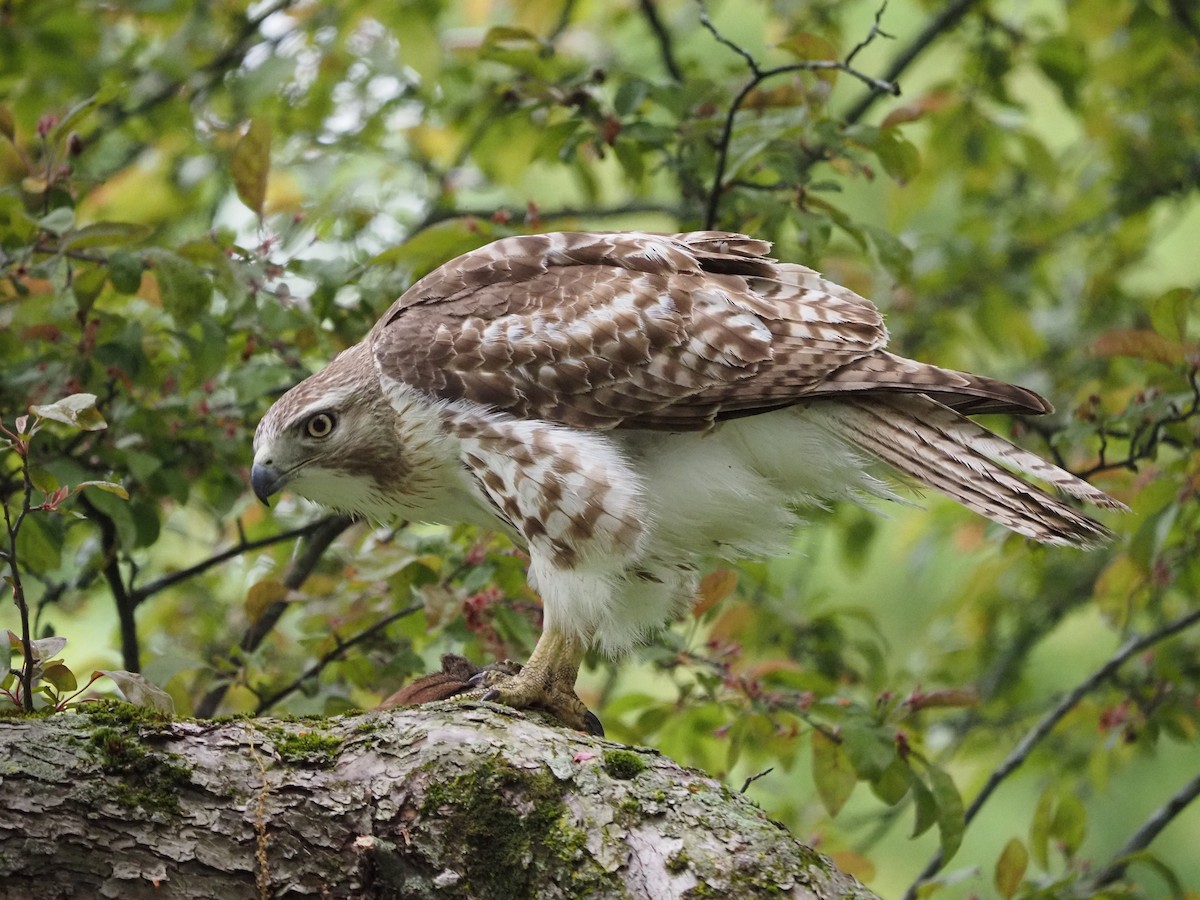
point(266, 480)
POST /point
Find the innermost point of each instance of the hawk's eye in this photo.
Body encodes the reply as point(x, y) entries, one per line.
point(320, 425)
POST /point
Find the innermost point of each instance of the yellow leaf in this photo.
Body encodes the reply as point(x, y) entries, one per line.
point(854, 864)
point(251, 163)
point(1010, 868)
point(262, 596)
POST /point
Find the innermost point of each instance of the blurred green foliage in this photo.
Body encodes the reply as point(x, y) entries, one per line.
point(202, 203)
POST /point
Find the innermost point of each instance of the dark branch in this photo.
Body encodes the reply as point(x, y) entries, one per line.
point(242, 546)
point(265, 703)
point(758, 76)
point(110, 543)
point(318, 542)
point(950, 16)
point(1145, 439)
point(665, 47)
point(1149, 830)
point(443, 214)
point(1020, 753)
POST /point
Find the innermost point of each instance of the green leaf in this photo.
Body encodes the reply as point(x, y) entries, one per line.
point(926, 807)
point(87, 284)
point(901, 159)
point(868, 747)
point(832, 773)
point(428, 249)
point(106, 486)
point(77, 410)
point(106, 234)
point(58, 220)
point(516, 47)
point(1169, 312)
point(251, 165)
point(37, 549)
point(185, 290)
point(1070, 823)
point(1064, 59)
point(7, 127)
point(1040, 827)
point(894, 782)
point(125, 271)
point(1010, 868)
point(61, 677)
point(950, 812)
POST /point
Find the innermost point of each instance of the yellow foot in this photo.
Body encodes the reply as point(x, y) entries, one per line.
point(522, 688)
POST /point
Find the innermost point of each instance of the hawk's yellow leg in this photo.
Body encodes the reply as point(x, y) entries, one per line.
point(546, 681)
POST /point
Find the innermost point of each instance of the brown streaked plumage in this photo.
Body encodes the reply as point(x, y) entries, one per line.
point(626, 404)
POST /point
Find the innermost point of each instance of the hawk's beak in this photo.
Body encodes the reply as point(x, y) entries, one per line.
point(266, 480)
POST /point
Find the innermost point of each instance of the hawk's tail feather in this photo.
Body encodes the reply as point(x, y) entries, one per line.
point(948, 452)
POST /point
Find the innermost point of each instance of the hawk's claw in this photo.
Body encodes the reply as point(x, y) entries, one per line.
point(593, 724)
point(523, 689)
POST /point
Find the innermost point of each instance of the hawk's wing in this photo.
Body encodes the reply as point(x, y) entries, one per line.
point(605, 330)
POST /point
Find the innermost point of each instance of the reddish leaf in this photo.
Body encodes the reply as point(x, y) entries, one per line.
point(714, 587)
point(1140, 344)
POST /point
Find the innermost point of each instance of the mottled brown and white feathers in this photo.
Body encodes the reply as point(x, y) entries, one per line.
point(627, 403)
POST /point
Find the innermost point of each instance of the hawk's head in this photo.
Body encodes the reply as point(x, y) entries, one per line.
point(332, 438)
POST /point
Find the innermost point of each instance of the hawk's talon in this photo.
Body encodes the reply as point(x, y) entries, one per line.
point(593, 724)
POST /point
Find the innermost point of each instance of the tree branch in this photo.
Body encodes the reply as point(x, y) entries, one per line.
point(950, 16)
point(445, 800)
point(666, 48)
point(758, 76)
point(243, 546)
point(110, 543)
point(265, 703)
point(318, 542)
point(1149, 830)
point(1025, 747)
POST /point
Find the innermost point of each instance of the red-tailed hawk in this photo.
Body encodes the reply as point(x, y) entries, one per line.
point(626, 405)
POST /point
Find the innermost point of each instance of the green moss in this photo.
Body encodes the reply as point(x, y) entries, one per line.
point(623, 764)
point(513, 828)
point(306, 748)
point(149, 780)
point(678, 861)
point(124, 716)
point(699, 891)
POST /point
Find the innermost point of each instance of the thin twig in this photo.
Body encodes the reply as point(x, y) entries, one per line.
point(942, 22)
point(750, 779)
point(1148, 831)
point(318, 542)
point(339, 649)
point(758, 76)
point(18, 589)
point(242, 546)
point(666, 48)
point(1024, 748)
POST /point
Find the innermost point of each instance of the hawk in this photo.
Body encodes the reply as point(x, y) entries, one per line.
point(626, 405)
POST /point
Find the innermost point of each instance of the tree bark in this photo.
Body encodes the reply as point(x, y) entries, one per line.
point(450, 800)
